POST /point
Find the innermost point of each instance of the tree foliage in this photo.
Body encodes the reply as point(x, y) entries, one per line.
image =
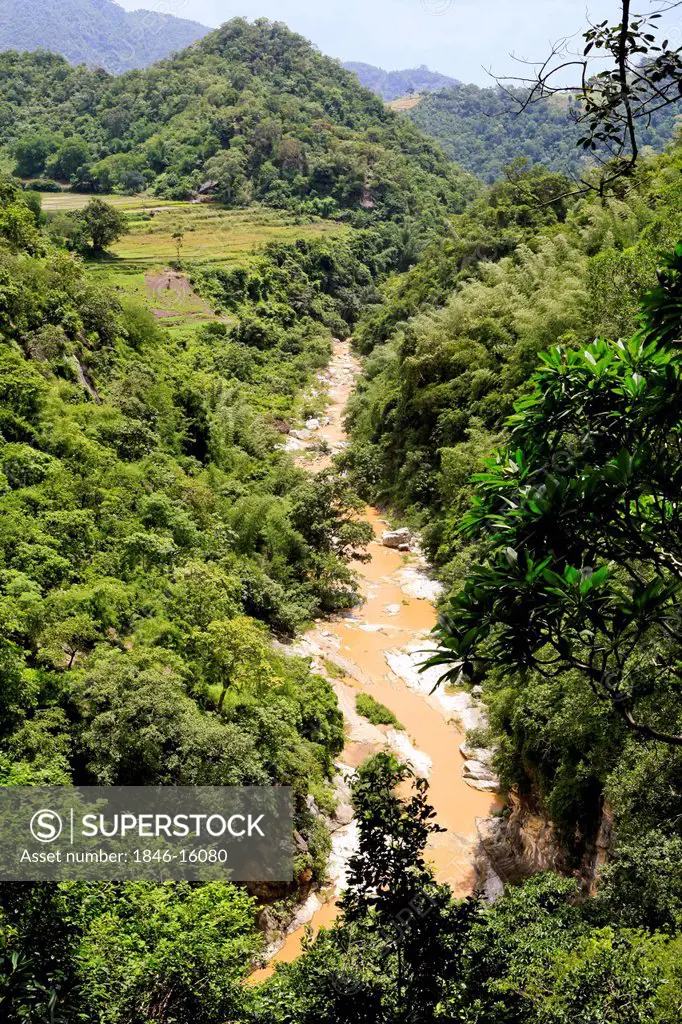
point(581, 525)
point(99, 225)
point(154, 535)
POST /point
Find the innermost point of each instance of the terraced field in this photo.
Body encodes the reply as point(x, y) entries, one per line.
point(404, 103)
point(211, 234)
point(151, 266)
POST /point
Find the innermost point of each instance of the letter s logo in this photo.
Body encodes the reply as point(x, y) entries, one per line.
point(46, 826)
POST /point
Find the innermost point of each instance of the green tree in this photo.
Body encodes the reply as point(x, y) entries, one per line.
point(390, 886)
point(31, 153)
point(641, 77)
point(178, 237)
point(72, 155)
point(101, 224)
point(137, 726)
point(167, 952)
point(62, 642)
point(234, 652)
point(388, 869)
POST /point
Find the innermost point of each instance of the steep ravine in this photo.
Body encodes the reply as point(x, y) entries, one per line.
point(377, 648)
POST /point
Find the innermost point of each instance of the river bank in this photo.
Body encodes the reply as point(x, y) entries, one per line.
point(377, 649)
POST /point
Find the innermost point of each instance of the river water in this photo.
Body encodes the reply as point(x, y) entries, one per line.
point(377, 647)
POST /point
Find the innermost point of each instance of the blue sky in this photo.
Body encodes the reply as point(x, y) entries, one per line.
point(457, 37)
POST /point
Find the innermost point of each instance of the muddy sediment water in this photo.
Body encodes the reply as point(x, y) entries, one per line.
point(377, 647)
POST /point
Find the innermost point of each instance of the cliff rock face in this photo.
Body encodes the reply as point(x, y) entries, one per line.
point(598, 852)
point(525, 843)
point(520, 845)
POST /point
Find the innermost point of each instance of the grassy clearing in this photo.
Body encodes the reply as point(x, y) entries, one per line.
point(211, 235)
point(137, 266)
point(404, 103)
point(65, 202)
point(375, 712)
point(156, 288)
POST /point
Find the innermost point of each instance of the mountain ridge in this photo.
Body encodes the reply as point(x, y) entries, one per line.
point(98, 33)
point(391, 85)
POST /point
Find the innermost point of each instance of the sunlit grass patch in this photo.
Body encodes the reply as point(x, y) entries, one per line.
point(375, 712)
point(65, 202)
point(211, 234)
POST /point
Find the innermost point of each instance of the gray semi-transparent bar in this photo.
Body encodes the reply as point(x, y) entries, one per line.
point(93, 833)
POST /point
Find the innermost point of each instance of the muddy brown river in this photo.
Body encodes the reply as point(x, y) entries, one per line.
point(376, 646)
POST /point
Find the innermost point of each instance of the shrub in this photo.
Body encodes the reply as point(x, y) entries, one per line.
point(375, 712)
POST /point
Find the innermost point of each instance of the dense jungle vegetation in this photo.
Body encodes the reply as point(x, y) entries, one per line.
point(154, 538)
point(485, 130)
point(520, 404)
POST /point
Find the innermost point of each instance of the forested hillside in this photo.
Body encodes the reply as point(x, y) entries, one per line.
point(485, 130)
point(96, 32)
point(253, 108)
point(391, 85)
point(154, 538)
point(519, 405)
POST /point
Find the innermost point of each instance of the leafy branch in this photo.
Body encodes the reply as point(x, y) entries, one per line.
point(641, 77)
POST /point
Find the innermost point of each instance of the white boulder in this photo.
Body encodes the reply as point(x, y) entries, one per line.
point(470, 753)
point(480, 776)
point(399, 539)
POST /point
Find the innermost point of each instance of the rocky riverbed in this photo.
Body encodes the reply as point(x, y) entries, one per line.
point(378, 649)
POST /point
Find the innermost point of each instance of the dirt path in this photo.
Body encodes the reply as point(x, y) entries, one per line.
point(378, 648)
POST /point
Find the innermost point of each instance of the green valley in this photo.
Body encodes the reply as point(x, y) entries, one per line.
point(277, 376)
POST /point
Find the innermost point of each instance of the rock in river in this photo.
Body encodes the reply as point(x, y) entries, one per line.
point(397, 538)
point(480, 776)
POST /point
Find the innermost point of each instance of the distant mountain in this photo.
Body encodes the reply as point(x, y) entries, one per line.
point(95, 32)
point(390, 85)
point(483, 131)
